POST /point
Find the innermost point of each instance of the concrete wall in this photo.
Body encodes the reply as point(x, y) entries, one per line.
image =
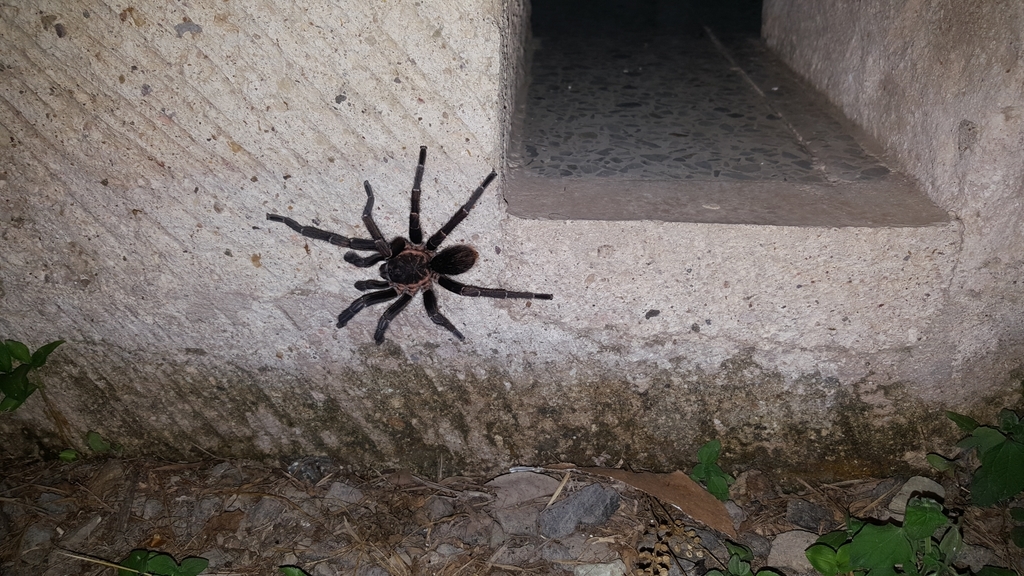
point(143, 145)
point(941, 86)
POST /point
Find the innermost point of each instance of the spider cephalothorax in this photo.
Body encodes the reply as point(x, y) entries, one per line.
point(410, 265)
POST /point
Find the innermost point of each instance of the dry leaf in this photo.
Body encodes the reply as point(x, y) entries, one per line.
point(679, 490)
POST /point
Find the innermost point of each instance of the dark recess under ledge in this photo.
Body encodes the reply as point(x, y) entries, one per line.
point(684, 127)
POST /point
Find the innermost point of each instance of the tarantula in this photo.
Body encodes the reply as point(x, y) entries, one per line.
point(410, 265)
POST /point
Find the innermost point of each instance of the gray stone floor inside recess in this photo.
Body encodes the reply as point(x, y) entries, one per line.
point(688, 128)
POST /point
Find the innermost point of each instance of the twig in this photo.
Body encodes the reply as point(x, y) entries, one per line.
point(565, 480)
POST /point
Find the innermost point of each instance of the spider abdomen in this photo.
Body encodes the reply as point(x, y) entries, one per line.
point(410, 268)
point(454, 260)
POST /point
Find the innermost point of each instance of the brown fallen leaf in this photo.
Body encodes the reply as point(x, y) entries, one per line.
point(678, 489)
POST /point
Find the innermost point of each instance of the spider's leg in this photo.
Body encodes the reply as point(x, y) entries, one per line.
point(389, 315)
point(363, 285)
point(361, 261)
point(364, 301)
point(459, 216)
point(430, 301)
point(379, 242)
point(396, 246)
point(415, 232)
point(318, 234)
point(467, 290)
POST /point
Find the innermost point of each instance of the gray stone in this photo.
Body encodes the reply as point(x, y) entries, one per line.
point(977, 557)
point(807, 515)
point(152, 509)
point(518, 521)
point(737, 514)
point(438, 507)
point(340, 494)
point(54, 503)
point(758, 544)
point(75, 539)
point(787, 552)
point(519, 487)
point(616, 568)
point(592, 505)
point(916, 486)
point(35, 543)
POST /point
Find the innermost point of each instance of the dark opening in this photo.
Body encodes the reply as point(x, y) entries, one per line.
point(677, 111)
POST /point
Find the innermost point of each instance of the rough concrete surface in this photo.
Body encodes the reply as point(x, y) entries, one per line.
point(144, 144)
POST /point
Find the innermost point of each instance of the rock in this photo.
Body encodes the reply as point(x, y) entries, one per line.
point(807, 515)
point(519, 521)
point(977, 557)
point(438, 507)
point(217, 557)
point(736, 513)
point(616, 568)
point(152, 509)
point(592, 505)
point(35, 544)
point(55, 503)
point(519, 487)
point(916, 486)
point(788, 552)
point(78, 537)
point(340, 494)
point(758, 544)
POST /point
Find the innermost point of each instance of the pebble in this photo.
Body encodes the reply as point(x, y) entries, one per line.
point(916, 486)
point(340, 494)
point(616, 568)
point(808, 515)
point(592, 505)
point(787, 552)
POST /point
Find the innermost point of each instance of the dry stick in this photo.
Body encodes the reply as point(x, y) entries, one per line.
point(102, 562)
point(565, 480)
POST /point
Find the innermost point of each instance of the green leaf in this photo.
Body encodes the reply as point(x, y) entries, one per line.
point(96, 442)
point(699, 472)
point(940, 462)
point(738, 567)
point(1017, 514)
point(823, 558)
point(924, 516)
point(740, 551)
point(879, 548)
point(965, 423)
point(162, 564)
point(69, 455)
point(136, 560)
point(984, 438)
point(1001, 475)
point(769, 572)
point(834, 539)
point(39, 356)
point(1017, 535)
point(1008, 420)
point(192, 566)
point(708, 453)
point(5, 359)
point(19, 351)
point(9, 404)
point(718, 487)
point(951, 544)
point(296, 571)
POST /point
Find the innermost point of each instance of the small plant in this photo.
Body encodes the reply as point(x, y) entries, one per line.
point(142, 561)
point(1001, 452)
point(709, 473)
point(1017, 532)
point(292, 571)
point(739, 563)
point(15, 387)
point(917, 548)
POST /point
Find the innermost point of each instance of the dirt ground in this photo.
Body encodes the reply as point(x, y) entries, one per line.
point(249, 518)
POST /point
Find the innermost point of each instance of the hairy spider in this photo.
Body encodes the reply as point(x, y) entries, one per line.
point(410, 265)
